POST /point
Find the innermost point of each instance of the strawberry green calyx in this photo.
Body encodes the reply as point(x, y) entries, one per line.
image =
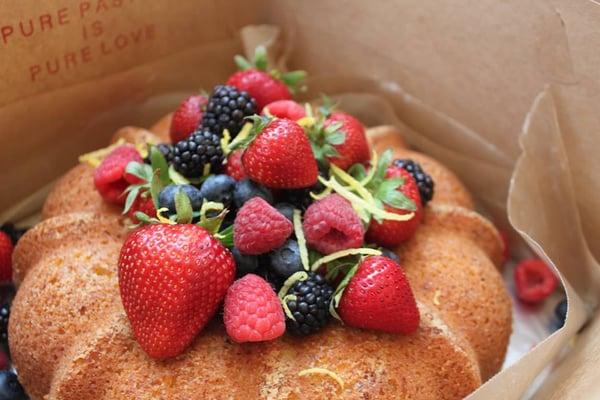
point(323, 137)
point(292, 79)
point(248, 133)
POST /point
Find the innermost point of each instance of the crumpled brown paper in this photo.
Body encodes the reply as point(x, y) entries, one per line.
point(553, 192)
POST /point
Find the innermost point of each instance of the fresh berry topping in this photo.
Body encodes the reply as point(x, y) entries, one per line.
point(12, 231)
point(110, 177)
point(144, 204)
point(280, 156)
point(391, 233)
point(259, 228)
point(299, 198)
point(234, 167)
point(286, 209)
point(172, 279)
point(561, 312)
point(354, 148)
point(534, 281)
point(192, 155)
point(247, 189)
point(423, 180)
point(252, 311)
point(244, 263)
point(331, 225)
point(260, 85)
point(10, 387)
point(165, 149)
point(166, 197)
point(186, 118)
point(6, 250)
point(226, 109)
point(4, 317)
point(284, 109)
point(286, 260)
point(379, 297)
point(218, 188)
point(390, 254)
point(310, 307)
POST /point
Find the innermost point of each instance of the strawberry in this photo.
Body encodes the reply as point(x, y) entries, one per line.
point(234, 167)
point(280, 155)
point(284, 109)
point(390, 233)
point(187, 117)
point(265, 87)
point(354, 148)
point(143, 203)
point(6, 250)
point(110, 177)
point(252, 311)
point(379, 297)
point(172, 279)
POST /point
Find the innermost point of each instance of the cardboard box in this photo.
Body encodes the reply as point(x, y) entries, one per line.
point(503, 92)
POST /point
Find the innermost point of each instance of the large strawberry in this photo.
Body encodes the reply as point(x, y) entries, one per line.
point(378, 296)
point(187, 117)
point(265, 87)
point(391, 233)
point(354, 148)
point(172, 279)
point(279, 155)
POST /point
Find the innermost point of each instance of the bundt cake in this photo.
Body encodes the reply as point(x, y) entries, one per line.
point(70, 337)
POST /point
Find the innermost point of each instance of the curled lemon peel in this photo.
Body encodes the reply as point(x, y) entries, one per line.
point(206, 170)
point(162, 219)
point(289, 282)
point(371, 173)
point(353, 183)
point(225, 140)
point(241, 136)
point(367, 251)
point(94, 158)
point(286, 309)
point(359, 202)
point(297, 218)
point(323, 371)
point(306, 122)
point(322, 195)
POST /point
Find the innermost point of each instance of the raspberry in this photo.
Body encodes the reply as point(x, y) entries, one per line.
point(234, 167)
point(259, 228)
point(142, 204)
point(534, 281)
point(6, 250)
point(110, 178)
point(331, 225)
point(252, 311)
point(285, 109)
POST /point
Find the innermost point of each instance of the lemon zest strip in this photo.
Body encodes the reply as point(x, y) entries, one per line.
point(94, 158)
point(286, 309)
point(301, 239)
point(354, 184)
point(344, 253)
point(162, 219)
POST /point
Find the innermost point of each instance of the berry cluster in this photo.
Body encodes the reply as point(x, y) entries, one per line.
point(291, 203)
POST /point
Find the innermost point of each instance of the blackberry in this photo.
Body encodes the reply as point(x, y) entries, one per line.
point(166, 150)
point(4, 316)
point(424, 181)
point(189, 156)
point(226, 109)
point(311, 307)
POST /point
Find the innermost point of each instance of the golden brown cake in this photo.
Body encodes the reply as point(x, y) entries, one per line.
point(70, 337)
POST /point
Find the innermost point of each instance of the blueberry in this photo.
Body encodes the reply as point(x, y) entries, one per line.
point(561, 312)
point(286, 260)
point(218, 188)
point(244, 263)
point(286, 209)
point(390, 254)
point(166, 197)
point(10, 388)
point(247, 189)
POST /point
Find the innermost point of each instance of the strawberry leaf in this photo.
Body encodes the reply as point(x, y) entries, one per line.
point(389, 194)
point(242, 63)
point(336, 138)
point(131, 196)
point(155, 187)
point(260, 58)
point(176, 177)
point(140, 170)
point(358, 172)
point(183, 206)
point(158, 162)
point(226, 236)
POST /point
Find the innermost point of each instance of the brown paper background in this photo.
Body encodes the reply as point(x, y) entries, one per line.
point(459, 77)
